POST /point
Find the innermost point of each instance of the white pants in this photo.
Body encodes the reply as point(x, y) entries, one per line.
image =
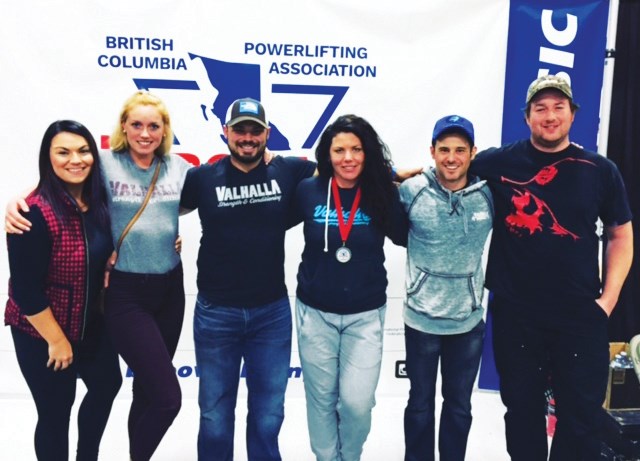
point(341, 357)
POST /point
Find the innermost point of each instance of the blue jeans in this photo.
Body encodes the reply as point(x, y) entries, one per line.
point(223, 337)
point(341, 357)
point(459, 357)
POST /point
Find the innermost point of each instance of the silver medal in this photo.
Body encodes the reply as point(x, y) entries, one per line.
point(343, 254)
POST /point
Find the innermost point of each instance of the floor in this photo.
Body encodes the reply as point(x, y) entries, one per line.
point(385, 442)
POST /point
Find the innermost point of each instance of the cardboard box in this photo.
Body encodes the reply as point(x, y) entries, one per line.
point(623, 388)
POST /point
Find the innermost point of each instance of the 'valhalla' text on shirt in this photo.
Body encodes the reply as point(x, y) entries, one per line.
point(250, 191)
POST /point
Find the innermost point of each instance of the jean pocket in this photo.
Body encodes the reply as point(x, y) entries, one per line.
point(382, 312)
point(301, 315)
point(203, 303)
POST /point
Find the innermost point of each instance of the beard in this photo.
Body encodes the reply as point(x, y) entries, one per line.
point(245, 158)
point(550, 143)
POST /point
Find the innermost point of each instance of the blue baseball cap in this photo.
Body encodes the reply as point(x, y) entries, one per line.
point(453, 124)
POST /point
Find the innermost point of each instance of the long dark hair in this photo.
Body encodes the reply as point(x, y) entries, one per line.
point(53, 189)
point(375, 180)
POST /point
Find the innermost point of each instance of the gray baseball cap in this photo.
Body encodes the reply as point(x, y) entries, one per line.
point(246, 109)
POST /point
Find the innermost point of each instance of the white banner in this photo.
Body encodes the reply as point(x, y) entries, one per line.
point(400, 65)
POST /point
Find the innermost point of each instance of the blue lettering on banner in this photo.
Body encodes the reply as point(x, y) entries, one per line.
point(297, 50)
point(186, 371)
point(566, 37)
point(139, 43)
point(234, 80)
point(125, 61)
point(330, 70)
point(306, 51)
point(142, 62)
point(294, 372)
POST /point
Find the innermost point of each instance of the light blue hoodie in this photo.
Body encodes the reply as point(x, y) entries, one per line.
point(447, 234)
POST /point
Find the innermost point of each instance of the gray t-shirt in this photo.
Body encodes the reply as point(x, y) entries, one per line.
point(149, 247)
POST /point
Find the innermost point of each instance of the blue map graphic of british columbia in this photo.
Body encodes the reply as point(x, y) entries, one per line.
point(235, 80)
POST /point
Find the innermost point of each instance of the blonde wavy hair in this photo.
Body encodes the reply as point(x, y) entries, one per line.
point(118, 140)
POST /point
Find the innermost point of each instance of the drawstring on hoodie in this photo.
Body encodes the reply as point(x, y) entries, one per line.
point(326, 218)
point(456, 199)
point(456, 206)
point(453, 204)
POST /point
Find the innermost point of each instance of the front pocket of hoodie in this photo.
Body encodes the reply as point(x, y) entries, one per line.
point(443, 296)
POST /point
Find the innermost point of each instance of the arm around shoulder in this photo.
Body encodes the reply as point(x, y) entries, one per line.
point(14, 221)
point(399, 228)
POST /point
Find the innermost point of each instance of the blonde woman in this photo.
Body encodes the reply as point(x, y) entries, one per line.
point(144, 305)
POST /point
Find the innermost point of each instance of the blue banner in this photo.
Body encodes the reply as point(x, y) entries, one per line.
point(556, 37)
point(566, 37)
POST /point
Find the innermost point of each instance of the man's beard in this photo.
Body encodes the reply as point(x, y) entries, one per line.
point(550, 144)
point(246, 159)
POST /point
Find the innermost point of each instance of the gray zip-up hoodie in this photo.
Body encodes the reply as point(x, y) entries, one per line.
point(447, 235)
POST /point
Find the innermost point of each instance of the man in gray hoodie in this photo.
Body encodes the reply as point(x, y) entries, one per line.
point(450, 215)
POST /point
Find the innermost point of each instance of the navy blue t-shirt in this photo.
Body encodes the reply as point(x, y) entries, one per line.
point(244, 220)
point(545, 242)
point(326, 284)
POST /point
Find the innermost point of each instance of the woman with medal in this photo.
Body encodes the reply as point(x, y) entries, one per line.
point(347, 211)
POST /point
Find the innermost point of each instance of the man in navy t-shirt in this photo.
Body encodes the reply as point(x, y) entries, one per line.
point(549, 306)
point(242, 310)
